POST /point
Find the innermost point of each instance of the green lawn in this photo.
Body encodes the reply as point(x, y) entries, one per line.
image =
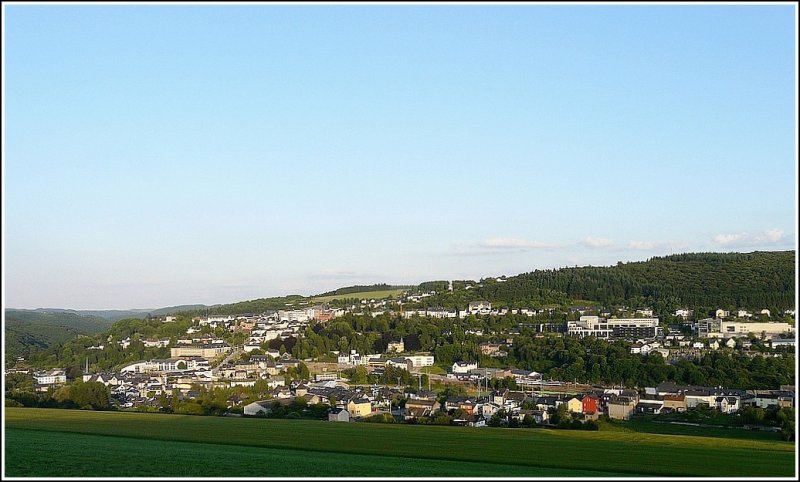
point(538, 451)
point(361, 295)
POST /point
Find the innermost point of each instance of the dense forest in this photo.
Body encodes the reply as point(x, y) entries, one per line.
point(699, 281)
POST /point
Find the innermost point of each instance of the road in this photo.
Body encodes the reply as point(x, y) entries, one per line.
point(237, 350)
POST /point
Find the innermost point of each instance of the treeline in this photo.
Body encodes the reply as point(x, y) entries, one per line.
point(700, 280)
point(597, 361)
point(78, 394)
point(261, 305)
point(437, 286)
point(361, 288)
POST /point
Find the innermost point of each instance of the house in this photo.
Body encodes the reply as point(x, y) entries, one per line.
point(399, 363)
point(699, 397)
point(640, 348)
point(499, 397)
point(489, 409)
point(338, 415)
point(675, 403)
point(515, 399)
point(574, 405)
point(727, 404)
point(650, 406)
point(479, 307)
point(396, 346)
point(540, 416)
point(476, 421)
point(359, 407)
point(420, 408)
point(261, 406)
point(776, 342)
point(621, 408)
point(589, 404)
point(462, 368)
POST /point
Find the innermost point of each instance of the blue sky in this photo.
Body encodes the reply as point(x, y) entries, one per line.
point(162, 155)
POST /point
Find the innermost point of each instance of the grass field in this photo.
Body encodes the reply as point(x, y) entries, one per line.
point(158, 457)
point(645, 426)
point(361, 295)
point(312, 448)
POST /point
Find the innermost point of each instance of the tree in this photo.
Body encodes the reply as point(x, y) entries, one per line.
point(528, 421)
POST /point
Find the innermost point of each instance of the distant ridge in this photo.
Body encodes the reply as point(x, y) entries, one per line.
point(362, 289)
point(39, 329)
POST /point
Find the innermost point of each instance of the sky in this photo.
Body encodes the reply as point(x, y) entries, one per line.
point(157, 155)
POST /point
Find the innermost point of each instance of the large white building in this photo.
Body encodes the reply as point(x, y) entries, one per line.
point(50, 378)
point(210, 350)
point(614, 327)
point(420, 360)
point(730, 329)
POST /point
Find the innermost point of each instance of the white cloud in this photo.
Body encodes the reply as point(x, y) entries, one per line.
point(729, 239)
point(642, 245)
point(515, 243)
point(658, 246)
point(597, 242)
point(770, 236)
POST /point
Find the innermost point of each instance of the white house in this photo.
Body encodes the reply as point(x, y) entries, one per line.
point(727, 404)
point(462, 368)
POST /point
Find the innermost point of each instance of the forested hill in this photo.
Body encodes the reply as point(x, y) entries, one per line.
point(697, 280)
point(36, 329)
point(361, 289)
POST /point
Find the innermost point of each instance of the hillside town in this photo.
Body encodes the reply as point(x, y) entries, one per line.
point(204, 359)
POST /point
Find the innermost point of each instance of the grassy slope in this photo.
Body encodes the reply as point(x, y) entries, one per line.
point(619, 452)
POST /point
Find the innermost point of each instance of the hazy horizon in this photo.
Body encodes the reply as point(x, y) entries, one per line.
point(163, 155)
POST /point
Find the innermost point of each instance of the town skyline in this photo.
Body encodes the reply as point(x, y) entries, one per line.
point(166, 155)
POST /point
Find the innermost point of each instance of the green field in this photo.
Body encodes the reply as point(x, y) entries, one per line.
point(646, 426)
point(152, 444)
point(118, 453)
point(361, 295)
